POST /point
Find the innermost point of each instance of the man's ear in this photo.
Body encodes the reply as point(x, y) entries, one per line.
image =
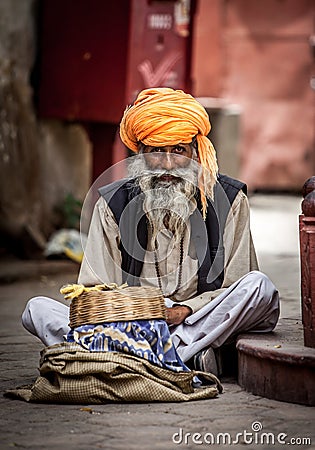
point(140, 146)
point(194, 146)
point(195, 155)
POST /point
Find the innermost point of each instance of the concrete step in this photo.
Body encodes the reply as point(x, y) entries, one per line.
point(277, 365)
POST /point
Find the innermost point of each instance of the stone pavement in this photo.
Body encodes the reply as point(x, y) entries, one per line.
point(236, 413)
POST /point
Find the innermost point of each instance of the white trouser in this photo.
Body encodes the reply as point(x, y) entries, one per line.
point(250, 304)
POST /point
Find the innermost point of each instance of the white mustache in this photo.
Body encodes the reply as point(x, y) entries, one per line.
point(138, 168)
point(179, 173)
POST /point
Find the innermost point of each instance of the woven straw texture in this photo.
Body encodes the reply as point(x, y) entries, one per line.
point(130, 303)
point(70, 374)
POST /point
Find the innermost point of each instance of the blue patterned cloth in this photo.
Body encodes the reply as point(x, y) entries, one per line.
point(149, 339)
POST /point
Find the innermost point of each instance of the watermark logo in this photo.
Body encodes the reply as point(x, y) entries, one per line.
point(255, 436)
point(256, 426)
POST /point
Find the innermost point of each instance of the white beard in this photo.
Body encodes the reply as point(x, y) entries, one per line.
point(167, 204)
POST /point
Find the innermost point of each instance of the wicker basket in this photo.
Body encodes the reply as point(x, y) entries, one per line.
point(130, 303)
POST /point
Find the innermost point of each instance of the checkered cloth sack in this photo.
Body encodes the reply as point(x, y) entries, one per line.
point(71, 374)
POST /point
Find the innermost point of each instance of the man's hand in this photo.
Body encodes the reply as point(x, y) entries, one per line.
point(177, 314)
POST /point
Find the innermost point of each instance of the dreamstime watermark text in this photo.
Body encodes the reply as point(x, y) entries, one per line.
point(256, 436)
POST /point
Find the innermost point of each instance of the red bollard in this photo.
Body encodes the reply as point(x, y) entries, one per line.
point(307, 257)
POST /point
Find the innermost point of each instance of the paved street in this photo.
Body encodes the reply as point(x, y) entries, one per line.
point(155, 425)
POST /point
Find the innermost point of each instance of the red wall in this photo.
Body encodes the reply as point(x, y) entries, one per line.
point(258, 55)
point(95, 56)
point(83, 59)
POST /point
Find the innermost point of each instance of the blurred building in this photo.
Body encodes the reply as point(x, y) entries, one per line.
point(249, 62)
point(260, 55)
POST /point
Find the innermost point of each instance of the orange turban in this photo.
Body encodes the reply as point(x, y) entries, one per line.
point(164, 116)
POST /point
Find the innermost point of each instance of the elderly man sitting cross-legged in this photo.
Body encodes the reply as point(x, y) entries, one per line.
point(176, 224)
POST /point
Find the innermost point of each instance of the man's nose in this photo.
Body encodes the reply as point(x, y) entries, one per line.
point(168, 161)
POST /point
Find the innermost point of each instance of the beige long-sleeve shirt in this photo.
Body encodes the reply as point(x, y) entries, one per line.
point(102, 257)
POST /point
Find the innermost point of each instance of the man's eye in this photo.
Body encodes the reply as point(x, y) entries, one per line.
point(153, 150)
point(179, 149)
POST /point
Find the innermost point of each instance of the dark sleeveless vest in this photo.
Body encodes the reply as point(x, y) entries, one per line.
point(126, 203)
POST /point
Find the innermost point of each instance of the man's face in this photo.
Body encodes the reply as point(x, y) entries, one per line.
point(167, 158)
point(167, 176)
